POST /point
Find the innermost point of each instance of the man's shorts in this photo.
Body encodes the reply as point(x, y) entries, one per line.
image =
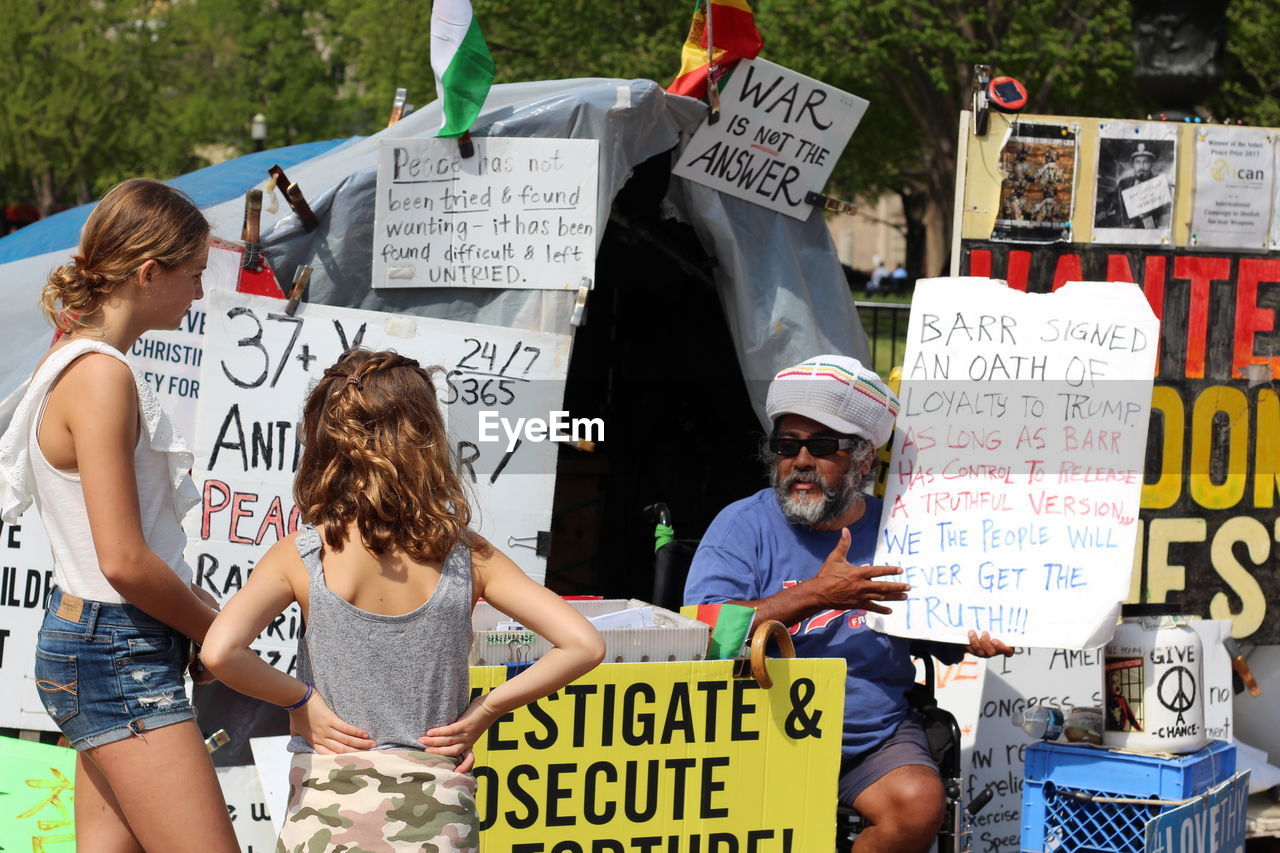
point(907, 745)
point(108, 671)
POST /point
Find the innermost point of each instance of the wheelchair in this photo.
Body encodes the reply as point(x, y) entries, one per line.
point(672, 558)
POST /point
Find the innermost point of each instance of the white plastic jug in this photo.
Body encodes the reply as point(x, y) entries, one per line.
point(1152, 682)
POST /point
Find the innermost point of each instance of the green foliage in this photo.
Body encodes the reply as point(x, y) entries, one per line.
point(77, 88)
point(913, 60)
point(1252, 88)
point(97, 91)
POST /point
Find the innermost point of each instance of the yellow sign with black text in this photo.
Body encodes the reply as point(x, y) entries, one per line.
point(666, 758)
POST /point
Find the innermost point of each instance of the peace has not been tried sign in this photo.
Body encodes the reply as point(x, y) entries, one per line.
point(1011, 500)
point(778, 137)
point(519, 213)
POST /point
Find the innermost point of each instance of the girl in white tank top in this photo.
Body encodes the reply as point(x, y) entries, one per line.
point(90, 446)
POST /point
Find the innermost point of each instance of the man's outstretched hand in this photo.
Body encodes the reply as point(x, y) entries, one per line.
point(851, 587)
point(986, 646)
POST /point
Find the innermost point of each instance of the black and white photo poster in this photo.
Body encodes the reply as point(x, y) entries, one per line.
point(1133, 196)
point(1234, 184)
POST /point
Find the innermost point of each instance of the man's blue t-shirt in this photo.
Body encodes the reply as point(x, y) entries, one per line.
point(751, 551)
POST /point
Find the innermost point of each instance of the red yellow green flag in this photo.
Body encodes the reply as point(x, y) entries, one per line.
point(734, 36)
point(730, 624)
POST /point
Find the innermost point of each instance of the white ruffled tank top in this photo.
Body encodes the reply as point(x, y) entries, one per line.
point(162, 465)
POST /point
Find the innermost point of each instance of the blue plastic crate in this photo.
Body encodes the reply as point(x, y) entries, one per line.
point(1053, 821)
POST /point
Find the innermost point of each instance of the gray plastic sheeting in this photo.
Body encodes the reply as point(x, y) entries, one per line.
point(780, 282)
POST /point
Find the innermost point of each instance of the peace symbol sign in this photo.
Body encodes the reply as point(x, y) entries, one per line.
point(1179, 682)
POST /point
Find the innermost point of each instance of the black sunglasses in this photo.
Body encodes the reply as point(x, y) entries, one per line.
point(823, 445)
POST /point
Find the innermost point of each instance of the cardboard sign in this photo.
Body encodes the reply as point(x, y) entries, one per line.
point(520, 213)
point(1202, 540)
point(1012, 494)
point(247, 808)
point(37, 796)
point(666, 756)
point(1147, 196)
point(259, 365)
point(168, 361)
point(1213, 823)
point(26, 576)
point(983, 695)
point(778, 137)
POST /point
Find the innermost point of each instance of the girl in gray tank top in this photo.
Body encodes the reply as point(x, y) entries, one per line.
point(386, 570)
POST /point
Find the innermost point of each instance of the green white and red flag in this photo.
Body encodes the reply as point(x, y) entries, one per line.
point(462, 64)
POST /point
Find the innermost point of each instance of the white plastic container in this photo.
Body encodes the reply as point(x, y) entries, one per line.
point(1152, 684)
point(670, 637)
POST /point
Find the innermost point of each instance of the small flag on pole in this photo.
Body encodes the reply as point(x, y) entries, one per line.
point(462, 64)
point(734, 36)
point(730, 624)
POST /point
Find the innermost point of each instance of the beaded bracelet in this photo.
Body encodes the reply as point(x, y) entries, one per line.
point(296, 705)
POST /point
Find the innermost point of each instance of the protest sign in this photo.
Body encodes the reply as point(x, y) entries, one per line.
point(26, 575)
point(258, 367)
point(520, 213)
point(1012, 494)
point(779, 136)
point(247, 808)
point(1233, 190)
point(665, 756)
point(37, 796)
point(983, 695)
point(1214, 822)
point(168, 361)
point(1205, 542)
point(271, 761)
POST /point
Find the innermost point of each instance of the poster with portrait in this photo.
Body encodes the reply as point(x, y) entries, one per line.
point(1037, 194)
point(1136, 174)
point(1234, 186)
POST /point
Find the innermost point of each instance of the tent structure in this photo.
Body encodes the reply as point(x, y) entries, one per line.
point(779, 280)
point(699, 299)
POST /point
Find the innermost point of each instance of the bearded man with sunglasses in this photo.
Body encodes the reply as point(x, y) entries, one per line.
point(799, 552)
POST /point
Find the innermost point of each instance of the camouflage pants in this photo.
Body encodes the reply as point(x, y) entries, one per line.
point(383, 800)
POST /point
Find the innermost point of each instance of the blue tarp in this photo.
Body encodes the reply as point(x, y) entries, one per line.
point(207, 187)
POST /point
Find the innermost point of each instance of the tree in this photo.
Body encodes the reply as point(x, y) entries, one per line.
point(1251, 92)
point(913, 59)
point(78, 91)
point(241, 57)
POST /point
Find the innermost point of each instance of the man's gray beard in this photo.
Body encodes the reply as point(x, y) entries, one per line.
point(836, 500)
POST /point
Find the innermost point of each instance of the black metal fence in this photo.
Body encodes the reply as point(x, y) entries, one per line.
point(886, 327)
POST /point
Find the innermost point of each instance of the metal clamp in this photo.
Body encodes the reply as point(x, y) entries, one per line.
point(826, 202)
point(541, 546)
point(301, 277)
point(293, 195)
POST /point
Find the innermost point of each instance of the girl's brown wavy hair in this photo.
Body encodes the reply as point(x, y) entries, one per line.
point(375, 450)
point(137, 221)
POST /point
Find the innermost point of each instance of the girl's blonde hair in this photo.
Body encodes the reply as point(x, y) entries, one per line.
point(375, 451)
point(137, 221)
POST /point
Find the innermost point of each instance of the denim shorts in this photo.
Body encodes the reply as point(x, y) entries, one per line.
point(106, 672)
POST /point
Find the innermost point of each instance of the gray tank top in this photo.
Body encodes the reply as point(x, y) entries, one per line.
point(393, 676)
